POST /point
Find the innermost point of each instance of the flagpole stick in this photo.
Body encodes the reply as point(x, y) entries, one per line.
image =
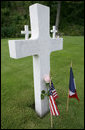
point(68, 95)
point(71, 63)
point(50, 111)
point(67, 101)
point(51, 121)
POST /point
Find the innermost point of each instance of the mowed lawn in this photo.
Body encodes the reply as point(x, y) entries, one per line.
point(17, 88)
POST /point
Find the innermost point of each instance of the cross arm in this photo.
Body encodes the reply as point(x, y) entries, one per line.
point(56, 44)
point(23, 48)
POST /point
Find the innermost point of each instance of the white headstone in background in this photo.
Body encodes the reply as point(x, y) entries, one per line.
point(54, 32)
point(40, 45)
point(26, 32)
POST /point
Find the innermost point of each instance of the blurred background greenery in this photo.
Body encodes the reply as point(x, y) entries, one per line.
point(15, 14)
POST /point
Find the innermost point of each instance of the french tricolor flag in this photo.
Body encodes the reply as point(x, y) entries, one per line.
point(72, 86)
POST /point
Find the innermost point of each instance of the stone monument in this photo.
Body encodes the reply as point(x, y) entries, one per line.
point(40, 45)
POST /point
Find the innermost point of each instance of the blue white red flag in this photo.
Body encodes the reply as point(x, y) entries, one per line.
point(72, 86)
point(53, 91)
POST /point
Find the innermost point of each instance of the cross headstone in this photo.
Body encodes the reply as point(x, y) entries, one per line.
point(40, 45)
point(26, 32)
point(54, 32)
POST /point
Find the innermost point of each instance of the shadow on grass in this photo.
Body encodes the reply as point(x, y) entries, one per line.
point(32, 106)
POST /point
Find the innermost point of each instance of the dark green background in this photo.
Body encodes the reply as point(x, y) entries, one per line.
point(15, 14)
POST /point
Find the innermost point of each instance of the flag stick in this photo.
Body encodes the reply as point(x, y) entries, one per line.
point(50, 111)
point(71, 63)
point(51, 121)
point(68, 95)
point(67, 101)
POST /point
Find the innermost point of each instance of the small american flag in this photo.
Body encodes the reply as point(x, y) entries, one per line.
point(52, 104)
point(53, 107)
point(52, 91)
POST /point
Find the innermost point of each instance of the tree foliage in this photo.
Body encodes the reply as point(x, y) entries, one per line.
point(15, 14)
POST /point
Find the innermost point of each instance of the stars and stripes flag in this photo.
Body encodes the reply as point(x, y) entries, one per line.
point(53, 107)
point(72, 86)
point(53, 91)
point(52, 104)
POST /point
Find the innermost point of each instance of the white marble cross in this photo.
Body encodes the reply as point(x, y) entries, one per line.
point(54, 32)
point(40, 45)
point(26, 32)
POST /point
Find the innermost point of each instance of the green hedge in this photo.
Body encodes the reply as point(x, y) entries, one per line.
point(15, 14)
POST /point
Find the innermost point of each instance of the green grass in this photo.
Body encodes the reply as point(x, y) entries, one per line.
point(17, 89)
